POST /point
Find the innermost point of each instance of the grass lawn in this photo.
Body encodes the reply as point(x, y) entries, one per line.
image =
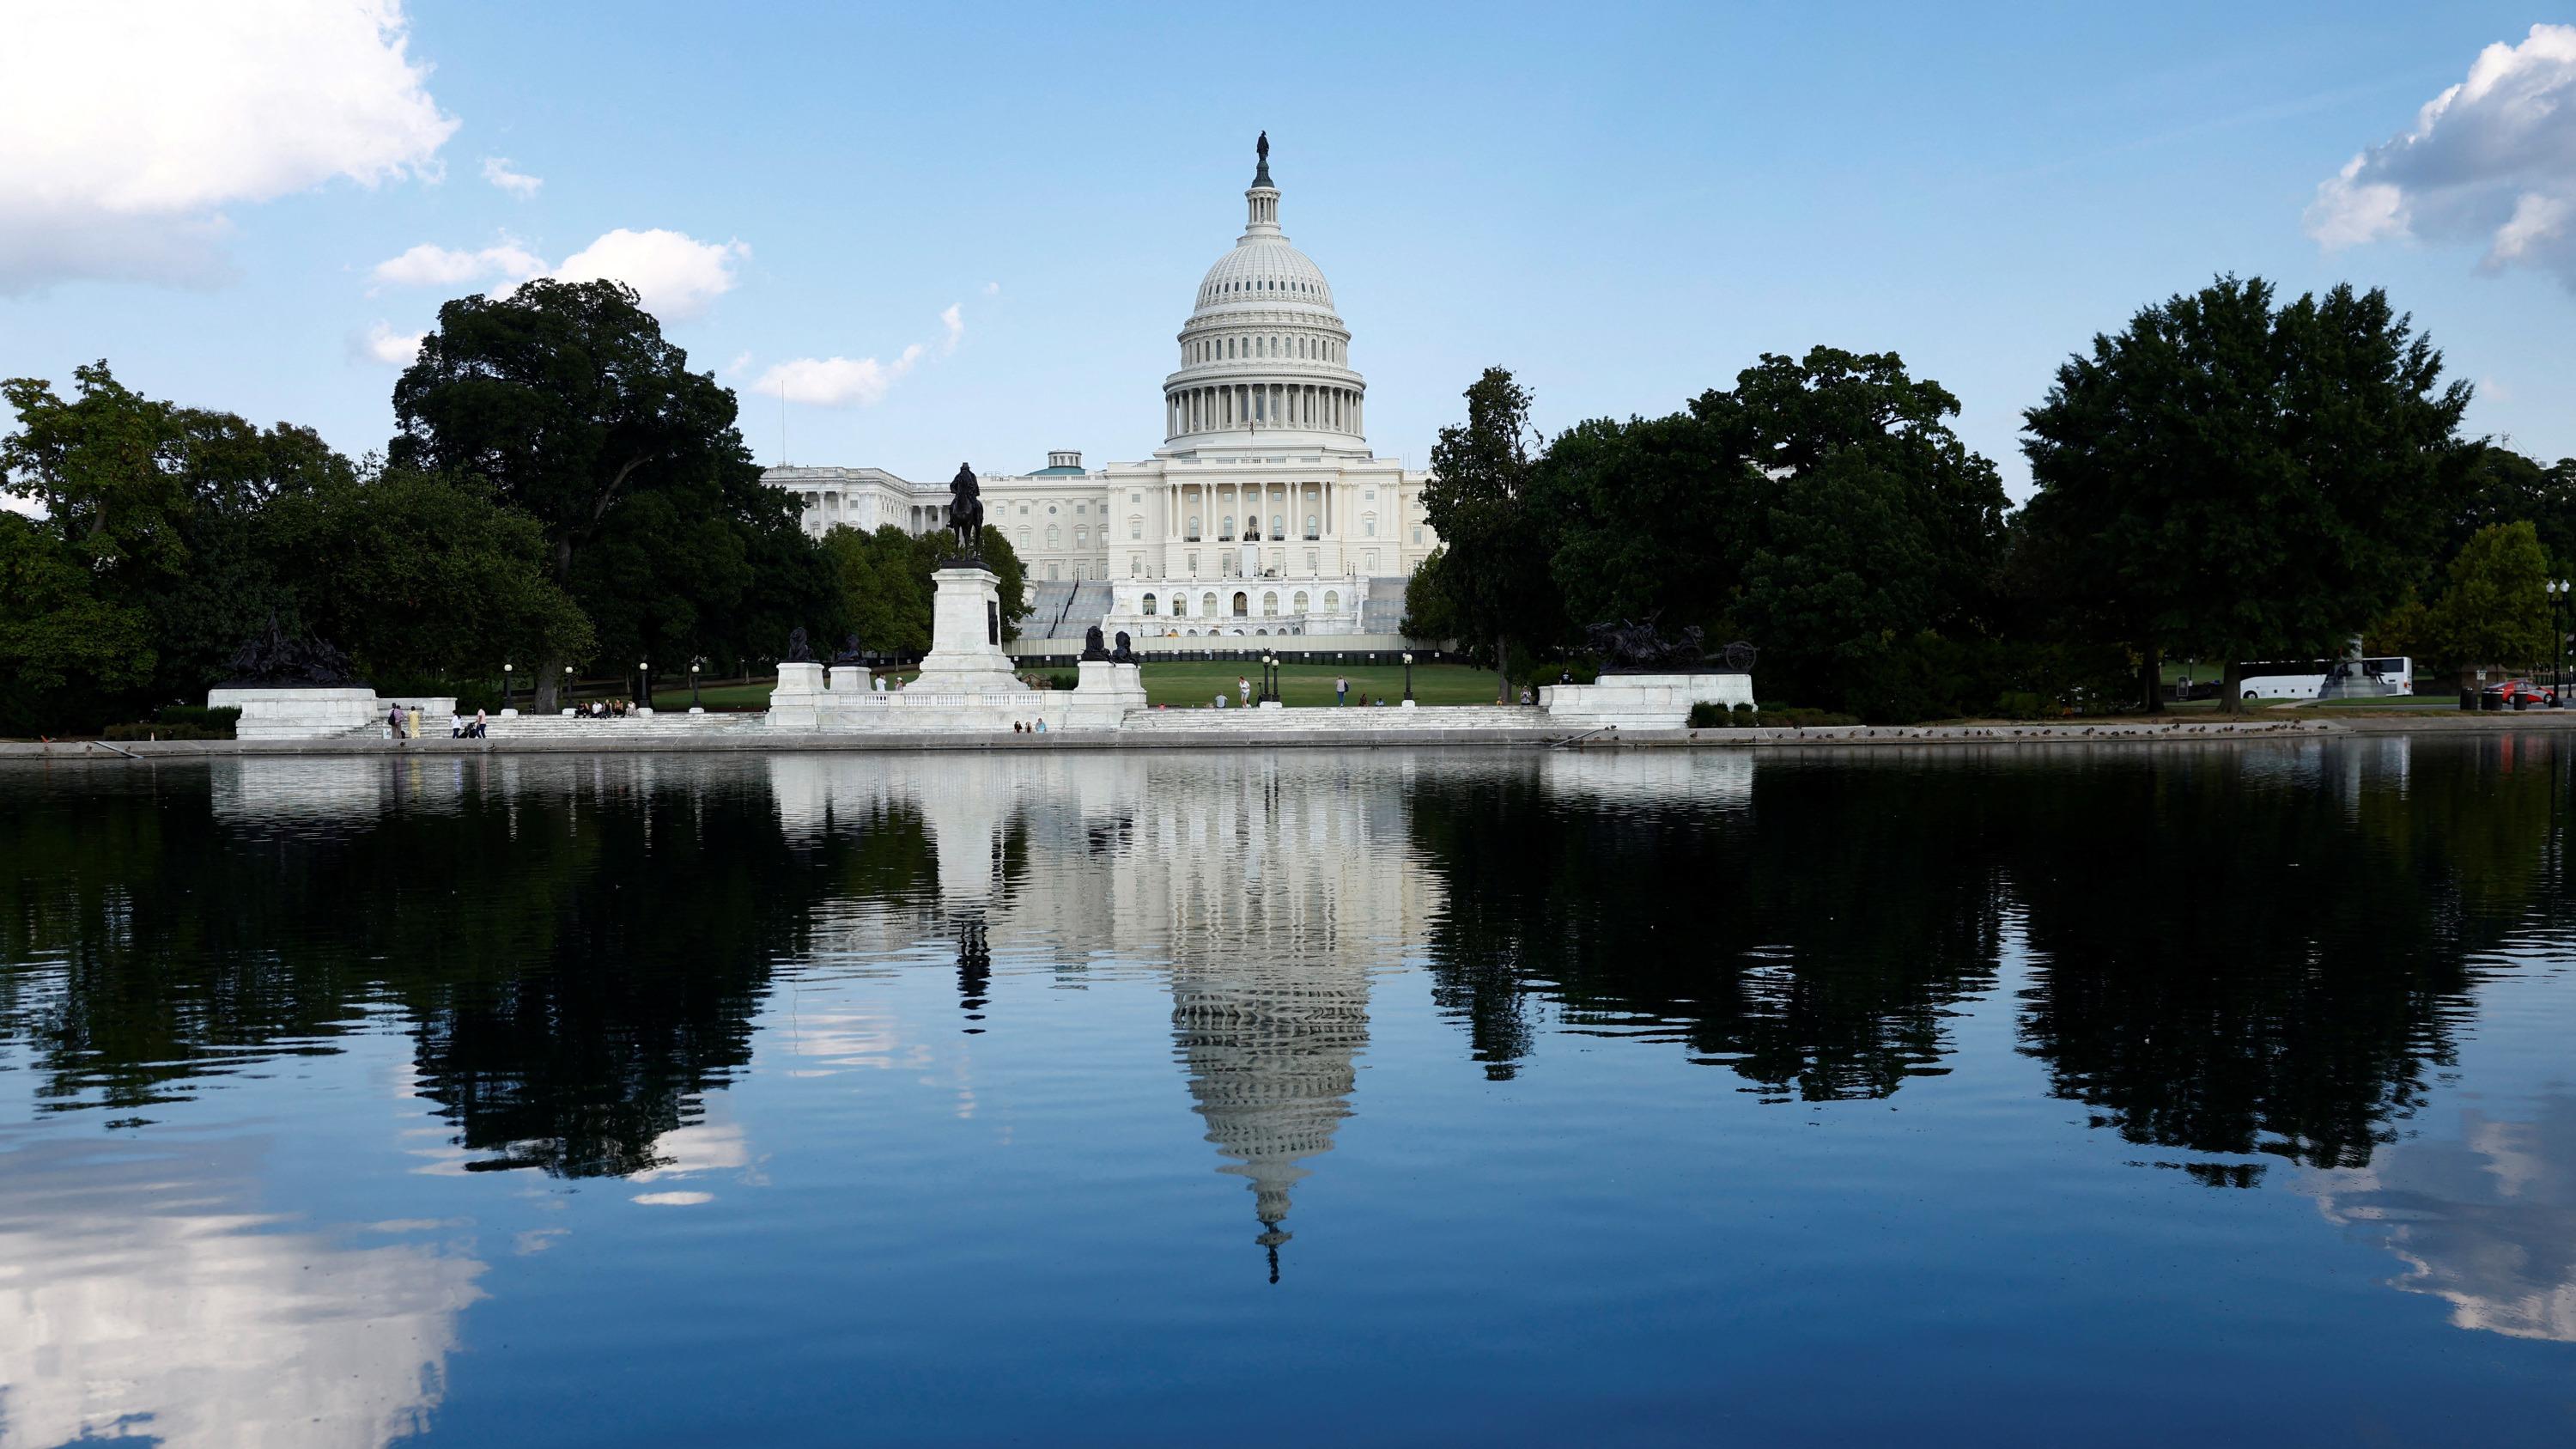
point(1192, 681)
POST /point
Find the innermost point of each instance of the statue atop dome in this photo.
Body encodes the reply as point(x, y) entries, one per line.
point(1261, 148)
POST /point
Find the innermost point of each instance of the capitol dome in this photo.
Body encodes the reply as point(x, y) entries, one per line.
point(1265, 360)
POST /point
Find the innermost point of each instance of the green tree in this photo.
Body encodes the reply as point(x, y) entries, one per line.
point(1653, 515)
point(64, 651)
point(569, 401)
point(2495, 611)
point(885, 586)
point(418, 575)
point(2233, 479)
point(1479, 502)
point(1429, 611)
point(1873, 525)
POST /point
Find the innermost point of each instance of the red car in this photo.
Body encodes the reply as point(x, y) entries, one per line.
point(2522, 694)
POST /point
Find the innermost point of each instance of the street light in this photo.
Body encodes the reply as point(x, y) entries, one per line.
point(2561, 602)
point(693, 683)
point(1408, 678)
point(572, 686)
point(644, 671)
point(505, 688)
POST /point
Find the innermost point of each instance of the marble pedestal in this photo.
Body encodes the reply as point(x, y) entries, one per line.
point(301, 714)
point(1642, 701)
point(793, 703)
point(1106, 692)
point(966, 637)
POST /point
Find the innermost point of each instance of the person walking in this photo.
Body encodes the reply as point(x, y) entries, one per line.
point(393, 722)
point(482, 725)
point(1341, 690)
point(1243, 687)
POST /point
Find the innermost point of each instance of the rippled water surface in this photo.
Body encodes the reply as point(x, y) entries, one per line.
point(2205, 1094)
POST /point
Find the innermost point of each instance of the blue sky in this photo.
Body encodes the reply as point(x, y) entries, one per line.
point(1625, 205)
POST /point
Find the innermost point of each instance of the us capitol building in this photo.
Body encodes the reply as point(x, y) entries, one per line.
point(1263, 513)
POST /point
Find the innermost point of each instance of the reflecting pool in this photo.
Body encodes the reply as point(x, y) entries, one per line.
point(2150, 1094)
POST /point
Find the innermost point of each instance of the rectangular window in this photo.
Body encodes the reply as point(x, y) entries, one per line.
point(1314, 560)
point(1194, 565)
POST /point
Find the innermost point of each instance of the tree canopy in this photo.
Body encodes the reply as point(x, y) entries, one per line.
point(2229, 478)
point(567, 400)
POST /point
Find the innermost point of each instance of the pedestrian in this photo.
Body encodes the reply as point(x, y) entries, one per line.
point(455, 725)
point(482, 725)
point(1041, 727)
point(880, 684)
point(1243, 686)
point(1341, 690)
point(393, 722)
point(1526, 697)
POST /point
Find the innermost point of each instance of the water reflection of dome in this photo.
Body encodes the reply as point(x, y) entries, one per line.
point(2485, 1221)
point(1241, 875)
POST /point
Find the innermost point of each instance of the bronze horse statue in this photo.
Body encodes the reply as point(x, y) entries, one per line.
point(966, 513)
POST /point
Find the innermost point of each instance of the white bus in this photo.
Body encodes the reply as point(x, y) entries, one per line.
point(2307, 678)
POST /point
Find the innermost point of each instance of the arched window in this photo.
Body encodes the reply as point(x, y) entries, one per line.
point(1192, 535)
point(1270, 606)
point(1242, 606)
point(1149, 606)
point(1207, 605)
point(1368, 525)
point(1225, 529)
point(1332, 601)
point(1081, 537)
point(1180, 606)
point(1024, 535)
point(1312, 531)
point(1054, 539)
point(1278, 526)
point(1299, 602)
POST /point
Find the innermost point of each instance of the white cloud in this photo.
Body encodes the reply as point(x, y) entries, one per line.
point(992, 289)
point(677, 276)
point(740, 361)
point(955, 326)
point(496, 169)
point(131, 127)
point(836, 382)
point(394, 349)
point(429, 265)
point(2492, 159)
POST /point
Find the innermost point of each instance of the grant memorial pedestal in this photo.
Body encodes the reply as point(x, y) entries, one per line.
point(966, 636)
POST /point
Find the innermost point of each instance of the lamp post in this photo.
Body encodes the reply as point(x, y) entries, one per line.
point(505, 688)
point(693, 683)
point(644, 672)
point(2561, 603)
point(1408, 678)
point(572, 686)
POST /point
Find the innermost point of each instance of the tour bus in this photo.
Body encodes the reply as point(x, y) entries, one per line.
point(2307, 678)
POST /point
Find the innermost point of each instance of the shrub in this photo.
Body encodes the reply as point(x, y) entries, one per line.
point(1707, 716)
point(156, 730)
point(216, 722)
point(1798, 717)
point(1063, 681)
point(2024, 704)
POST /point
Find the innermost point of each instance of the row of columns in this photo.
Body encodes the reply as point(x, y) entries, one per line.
point(1267, 404)
point(1213, 496)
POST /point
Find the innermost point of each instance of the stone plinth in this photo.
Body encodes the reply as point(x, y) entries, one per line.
point(1642, 701)
point(849, 679)
point(966, 637)
point(301, 714)
point(1106, 692)
point(791, 704)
